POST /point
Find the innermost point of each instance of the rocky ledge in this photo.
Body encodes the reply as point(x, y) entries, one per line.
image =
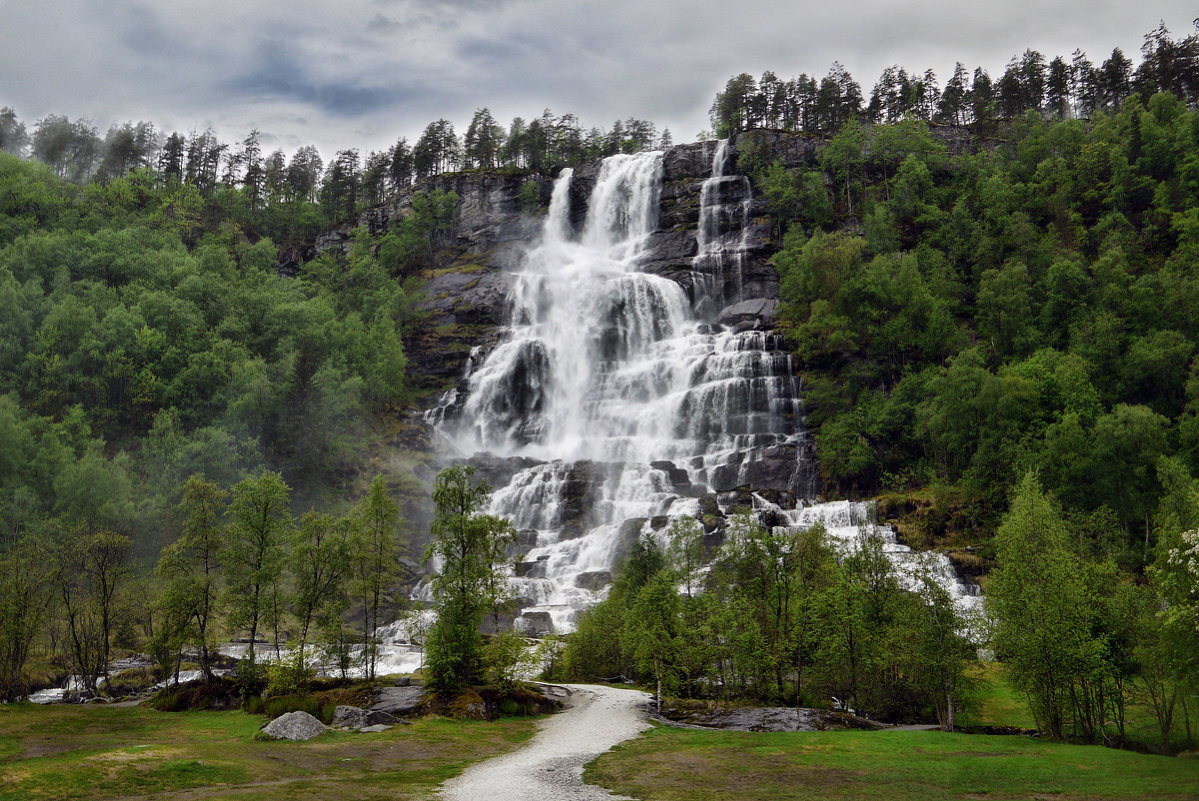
point(764, 718)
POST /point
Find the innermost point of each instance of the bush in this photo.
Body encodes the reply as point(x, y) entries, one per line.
point(220, 693)
point(250, 678)
point(288, 676)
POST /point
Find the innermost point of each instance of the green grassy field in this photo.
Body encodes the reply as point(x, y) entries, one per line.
point(109, 752)
point(1001, 705)
point(103, 752)
point(691, 765)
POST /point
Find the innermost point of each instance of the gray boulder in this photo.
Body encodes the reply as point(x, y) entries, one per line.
point(759, 312)
point(348, 717)
point(352, 717)
point(294, 726)
point(398, 701)
point(536, 624)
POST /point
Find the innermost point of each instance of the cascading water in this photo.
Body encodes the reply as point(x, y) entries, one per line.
point(725, 202)
point(615, 397)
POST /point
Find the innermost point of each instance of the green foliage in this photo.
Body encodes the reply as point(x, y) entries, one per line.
point(506, 659)
point(259, 524)
point(470, 548)
point(963, 317)
point(288, 675)
point(25, 598)
point(529, 197)
point(1048, 607)
point(373, 550)
point(779, 618)
point(320, 562)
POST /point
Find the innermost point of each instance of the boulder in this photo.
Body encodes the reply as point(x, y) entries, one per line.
point(593, 579)
point(399, 700)
point(294, 726)
point(679, 480)
point(353, 717)
point(759, 312)
point(536, 624)
point(348, 717)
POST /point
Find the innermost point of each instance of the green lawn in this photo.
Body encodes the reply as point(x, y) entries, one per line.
point(64, 752)
point(1001, 704)
point(692, 765)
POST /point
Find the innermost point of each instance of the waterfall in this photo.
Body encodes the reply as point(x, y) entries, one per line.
point(614, 399)
point(717, 269)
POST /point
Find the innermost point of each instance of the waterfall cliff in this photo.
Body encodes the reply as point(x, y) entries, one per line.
point(618, 396)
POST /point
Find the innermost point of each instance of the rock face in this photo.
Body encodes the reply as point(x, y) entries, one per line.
point(294, 726)
point(768, 718)
point(353, 717)
point(398, 701)
point(756, 313)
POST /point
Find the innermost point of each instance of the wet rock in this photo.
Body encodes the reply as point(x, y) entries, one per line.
point(398, 701)
point(759, 312)
point(294, 726)
point(499, 470)
point(679, 480)
point(536, 624)
point(670, 246)
point(593, 579)
point(791, 148)
point(630, 530)
point(690, 161)
point(535, 569)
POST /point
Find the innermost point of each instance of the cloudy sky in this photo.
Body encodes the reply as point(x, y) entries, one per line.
point(361, 73)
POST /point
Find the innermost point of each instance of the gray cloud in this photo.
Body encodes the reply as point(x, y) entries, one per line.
point(360, 73)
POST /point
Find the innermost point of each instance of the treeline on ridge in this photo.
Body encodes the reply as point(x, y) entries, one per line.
point(293, 199)
point(1059, 88)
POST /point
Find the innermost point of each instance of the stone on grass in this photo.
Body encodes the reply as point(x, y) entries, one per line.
point(294, 726)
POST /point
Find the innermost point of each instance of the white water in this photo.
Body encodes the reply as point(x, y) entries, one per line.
point(608, 373)
point(721, 236)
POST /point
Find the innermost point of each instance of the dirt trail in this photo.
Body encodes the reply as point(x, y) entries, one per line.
point(550, 767)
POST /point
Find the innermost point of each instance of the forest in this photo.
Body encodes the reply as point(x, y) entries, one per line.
point(997, 341)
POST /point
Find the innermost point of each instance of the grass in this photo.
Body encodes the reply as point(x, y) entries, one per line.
point(1002, 705)
point(99, 752)
point(692, 765)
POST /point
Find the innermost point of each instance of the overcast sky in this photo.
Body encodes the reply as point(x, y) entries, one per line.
point(361, 73)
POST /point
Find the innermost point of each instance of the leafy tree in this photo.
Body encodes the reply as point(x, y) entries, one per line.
point(320, 562)
point(190, 569)
point(654, 630)
point(374, 550)
point(469, 549)
point(91, 568)
point(25, 598)
point(13, 137)
point(482, 142)
point(259, 523)
point(1039, 604)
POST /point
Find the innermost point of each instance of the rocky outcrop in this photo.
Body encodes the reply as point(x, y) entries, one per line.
point(397, 702)
point(756, 313)
point(535, 624)
point(353, 717)
point(294, 726)
point(765, 718)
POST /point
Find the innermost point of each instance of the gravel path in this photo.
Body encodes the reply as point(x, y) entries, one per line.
point(550, 766)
